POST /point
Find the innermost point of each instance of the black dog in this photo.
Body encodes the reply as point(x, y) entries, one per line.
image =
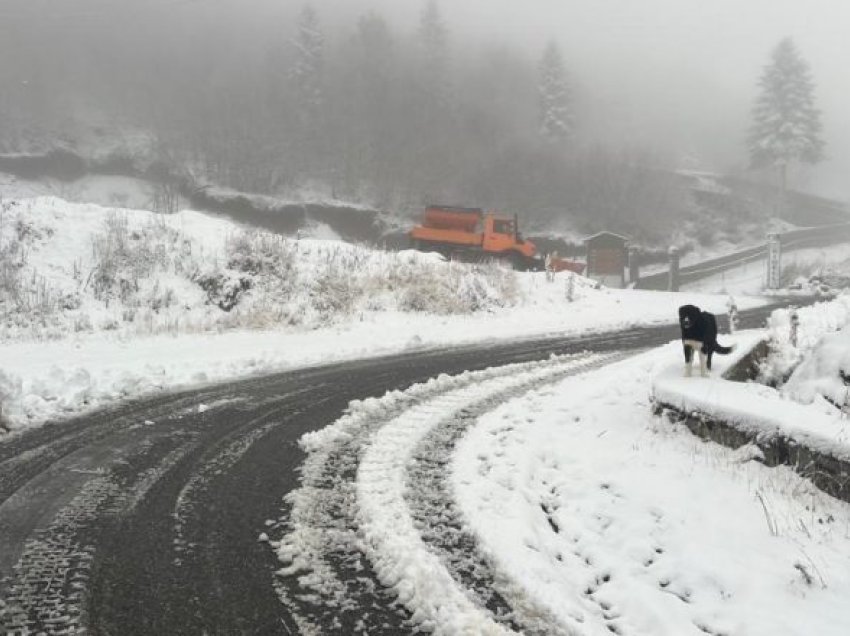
point(699, 331)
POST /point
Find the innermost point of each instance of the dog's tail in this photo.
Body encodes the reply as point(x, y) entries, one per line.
point(718, 348)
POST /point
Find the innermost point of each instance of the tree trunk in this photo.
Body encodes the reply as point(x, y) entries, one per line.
point(783, 190)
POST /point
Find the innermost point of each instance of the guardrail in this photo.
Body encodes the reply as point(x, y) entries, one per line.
point(821, 236)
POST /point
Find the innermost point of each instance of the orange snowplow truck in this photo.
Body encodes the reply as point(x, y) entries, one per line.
point(472, 234)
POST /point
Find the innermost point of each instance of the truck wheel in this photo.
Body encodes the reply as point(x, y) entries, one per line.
point(519, 262)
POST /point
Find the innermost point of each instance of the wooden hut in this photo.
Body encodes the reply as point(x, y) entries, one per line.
point(607, 258)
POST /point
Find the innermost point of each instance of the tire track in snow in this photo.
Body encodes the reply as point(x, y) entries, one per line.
point(442, 524)
point(326, 583)
point(436, 574)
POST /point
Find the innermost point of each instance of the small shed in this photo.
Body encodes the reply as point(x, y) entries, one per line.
point(607, 258)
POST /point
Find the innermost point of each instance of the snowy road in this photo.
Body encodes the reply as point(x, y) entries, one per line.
point(145, 519)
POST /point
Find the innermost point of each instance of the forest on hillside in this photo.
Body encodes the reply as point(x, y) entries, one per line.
point(362, 109)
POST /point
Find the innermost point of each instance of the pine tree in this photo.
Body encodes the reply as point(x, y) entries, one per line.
point(375, 48)
point(367, 135)
point(556, 118)
point(434, 113)
point(308, 140)
point(786, 125)
point(308, 69)
point(434, 38)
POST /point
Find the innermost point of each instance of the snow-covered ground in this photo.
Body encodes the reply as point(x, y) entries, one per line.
point(121, 303)
point(821, 359)
point(611, 517)
point(589, 515)
point(105, 190)
point(751, 278)
point(139, 193)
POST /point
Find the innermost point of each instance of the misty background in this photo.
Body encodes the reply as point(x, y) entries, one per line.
point(405, 116)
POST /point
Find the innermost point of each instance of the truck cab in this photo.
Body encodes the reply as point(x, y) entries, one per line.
point(501, 235)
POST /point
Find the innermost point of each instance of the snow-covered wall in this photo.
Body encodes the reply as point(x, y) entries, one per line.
point(797, 425)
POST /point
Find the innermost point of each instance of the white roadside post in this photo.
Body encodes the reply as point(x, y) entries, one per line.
point(795, 325)
point(732, 312)
point(774, 261)
point(673, 272)
point(549, 267)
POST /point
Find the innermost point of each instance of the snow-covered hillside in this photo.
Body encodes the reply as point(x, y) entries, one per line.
point(100, 304)
point(84, 268)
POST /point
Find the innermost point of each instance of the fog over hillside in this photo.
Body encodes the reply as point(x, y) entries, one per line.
point(677, 73)
point(382, 110)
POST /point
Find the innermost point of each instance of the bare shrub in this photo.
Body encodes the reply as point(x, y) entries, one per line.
point(797, 270)
point(460, 289)
point(341, 284)
point(27, 299)
point(166, 196)
point(124, 257)
point(262, 254)
point(334, 295)
point(224, 289)
point(12, 261)
point(254, 261)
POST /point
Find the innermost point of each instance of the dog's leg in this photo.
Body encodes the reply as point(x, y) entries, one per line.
point(689, 358)
point(702, 363)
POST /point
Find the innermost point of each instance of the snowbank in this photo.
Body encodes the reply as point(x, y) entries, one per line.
point(758, 410)
point(816, 355)
point(825, 372)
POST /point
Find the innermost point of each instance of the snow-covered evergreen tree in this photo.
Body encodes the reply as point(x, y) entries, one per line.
point(435, 134)
point(308, 67)
point(786, 124)
point(434, 38)
point(556, 117)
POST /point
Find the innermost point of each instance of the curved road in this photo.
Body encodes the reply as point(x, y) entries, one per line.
point(144, 518)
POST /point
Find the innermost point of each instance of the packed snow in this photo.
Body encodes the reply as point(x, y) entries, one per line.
point(592, 515)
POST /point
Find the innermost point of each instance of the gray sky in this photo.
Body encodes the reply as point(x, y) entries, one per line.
point(680, 71)
point(679, 75)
